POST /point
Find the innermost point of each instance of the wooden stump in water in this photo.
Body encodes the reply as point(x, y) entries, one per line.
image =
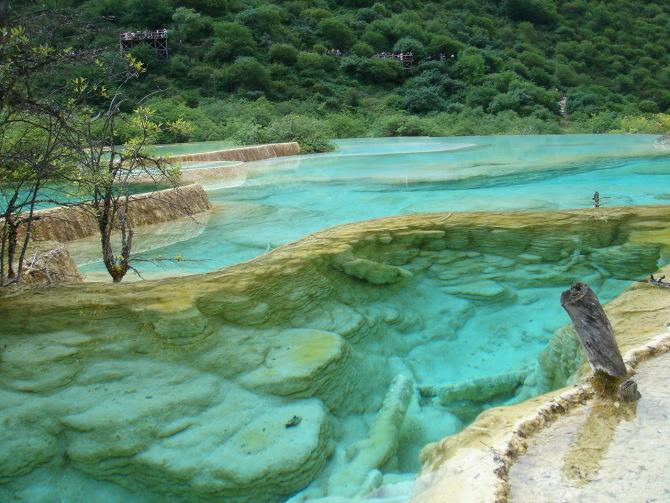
point(597, 337)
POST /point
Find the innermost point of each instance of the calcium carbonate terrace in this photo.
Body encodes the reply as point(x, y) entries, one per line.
point(324, 367)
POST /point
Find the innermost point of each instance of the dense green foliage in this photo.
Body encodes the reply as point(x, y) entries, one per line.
point(258, 71)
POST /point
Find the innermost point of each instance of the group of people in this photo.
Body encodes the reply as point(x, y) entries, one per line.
point(401, 56)
point(144, 35)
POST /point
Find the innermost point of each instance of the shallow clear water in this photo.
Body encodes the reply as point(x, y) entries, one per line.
point(64, 194)
point(478, 306)
point(191, 148)
point(208, 164)
point(281, 200)
point(475, 311)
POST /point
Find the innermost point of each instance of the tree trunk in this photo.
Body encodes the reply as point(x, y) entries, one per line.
point(117, 269)
point(126, 234)
point(12, 238)
point(594, 330)
point(3, 246)
point(29, 230)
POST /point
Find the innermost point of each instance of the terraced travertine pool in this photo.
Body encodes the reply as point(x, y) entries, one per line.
point(280, 200)
point(323, 368)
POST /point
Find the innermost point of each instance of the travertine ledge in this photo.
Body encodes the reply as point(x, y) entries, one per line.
point(156, 386)
point(69, 223)
point(246, 154)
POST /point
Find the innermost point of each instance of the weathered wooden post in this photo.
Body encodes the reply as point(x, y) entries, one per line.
point(597, 337)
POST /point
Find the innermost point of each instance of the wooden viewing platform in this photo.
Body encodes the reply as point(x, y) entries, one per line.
point(157, 39)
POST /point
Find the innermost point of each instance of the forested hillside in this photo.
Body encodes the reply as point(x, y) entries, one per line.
point(261, 71)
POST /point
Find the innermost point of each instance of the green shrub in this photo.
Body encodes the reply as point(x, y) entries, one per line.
point(246, 73)
point(406, 125)
point(423, 100)
point(231, 40)
point(263, 19)
point(307, 131)
point(152, 14)
point(284, 53)
point(409, 44)
point(363, 50)
point(190, 25)
point(345, 125)
point(535, 11)
point(648, 106)
point(373, 71)
point(314, 61)
point(336, 34)
point(470, 66)
point(443, 44)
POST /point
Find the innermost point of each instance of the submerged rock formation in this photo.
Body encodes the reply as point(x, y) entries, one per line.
point(553, 425)
point(360, 468)
point(249, 383)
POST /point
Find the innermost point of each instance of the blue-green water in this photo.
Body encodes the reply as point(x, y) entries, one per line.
point(191, 148)
point(473, 311)
point(55, 195)
point(281, 200)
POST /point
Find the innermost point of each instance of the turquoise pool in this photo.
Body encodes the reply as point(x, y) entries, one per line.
point(466, 329)
point(280, 200)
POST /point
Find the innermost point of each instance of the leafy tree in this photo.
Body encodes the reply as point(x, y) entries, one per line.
point(247, 73)
point(373, 71)
point(471, 66)
point(106, 170)
point(423, 100)
point(406, 125)
point(292, 127)
point(232, 40)
point(32, 125)
point(375, 39)
point(409, 44)
point(647, 106)
point(367, 15)
point(284, 53)
point(146, 54)
point(363, 50)
point(148, 14)
point(443, 44)
point(191, 25)
point(336, 34)
point(265, 19)
point(212, 7)
point(535, 11)
point(314, 61)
